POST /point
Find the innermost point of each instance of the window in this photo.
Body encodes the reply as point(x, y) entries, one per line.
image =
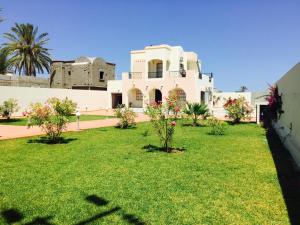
point(181, 95)
point(138, 95)
point(69, 72)
point(202, 97)
point(101, 75)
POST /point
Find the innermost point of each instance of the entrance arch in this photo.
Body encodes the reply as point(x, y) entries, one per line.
point(155, 95)
point(180, 95)
point(135, 98)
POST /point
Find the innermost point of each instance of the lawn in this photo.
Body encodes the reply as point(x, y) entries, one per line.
point(23, 121)
point(107, 176)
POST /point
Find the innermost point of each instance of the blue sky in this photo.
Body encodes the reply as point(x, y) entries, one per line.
point(249, 43)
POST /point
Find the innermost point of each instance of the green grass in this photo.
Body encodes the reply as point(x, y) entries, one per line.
point(228, 179)
point(23, 121)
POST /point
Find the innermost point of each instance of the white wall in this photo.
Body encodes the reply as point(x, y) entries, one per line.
point(93, 100)
point(288, 126)
point(220, 99)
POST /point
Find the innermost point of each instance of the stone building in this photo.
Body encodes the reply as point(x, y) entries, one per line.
point(83, 73)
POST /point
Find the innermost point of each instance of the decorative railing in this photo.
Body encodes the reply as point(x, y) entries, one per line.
point(177, 73)
point(210, 76)
point(157, 74)
point(135, 75)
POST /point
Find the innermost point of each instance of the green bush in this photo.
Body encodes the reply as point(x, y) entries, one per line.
point(52, 116)
point(218, 127)
point(126, 116)
point(195, 110)
point(9, 107)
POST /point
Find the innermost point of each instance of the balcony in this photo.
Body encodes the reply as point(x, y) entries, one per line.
point(157, 74)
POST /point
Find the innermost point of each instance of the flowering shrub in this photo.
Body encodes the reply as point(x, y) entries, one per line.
point(274, 102)
point(163, 117)
point(52, 116)
point(8, 108)
point(218, 127)
point(126, 116)
point(238, 109)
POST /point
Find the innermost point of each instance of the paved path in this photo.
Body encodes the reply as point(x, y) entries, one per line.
point(10, 132)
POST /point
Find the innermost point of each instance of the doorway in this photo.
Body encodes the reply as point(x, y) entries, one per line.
point(116, 100)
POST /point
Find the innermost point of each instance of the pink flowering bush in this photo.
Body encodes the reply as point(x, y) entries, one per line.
point(238, 109)
point(52, 117)
point(274, 102)
point(163, 116)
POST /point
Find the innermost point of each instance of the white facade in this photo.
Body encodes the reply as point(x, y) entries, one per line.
point(158, 71)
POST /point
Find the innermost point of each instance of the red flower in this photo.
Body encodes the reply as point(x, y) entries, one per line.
point(173, 123)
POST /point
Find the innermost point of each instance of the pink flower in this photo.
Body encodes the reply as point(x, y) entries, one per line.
point(173, 123)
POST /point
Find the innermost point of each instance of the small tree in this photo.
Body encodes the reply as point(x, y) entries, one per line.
point(126, 116)
point(162, 117)
point(52, 116)
point(194, 110)
point(9, 107)
point(238, 109)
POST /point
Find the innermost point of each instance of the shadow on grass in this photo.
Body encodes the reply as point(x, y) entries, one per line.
point(12, 216)
point(98, 201)
point(132, 219)
point(153, 148)
point(12, 120)
point(287, 173)
point(45, 140)
point(127, 128)
point(240, 123)
point(99, 216)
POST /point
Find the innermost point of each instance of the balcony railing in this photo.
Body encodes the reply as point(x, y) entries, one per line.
point(157, 74)
point(177, 73)
point(210, 76)
point(135, 75)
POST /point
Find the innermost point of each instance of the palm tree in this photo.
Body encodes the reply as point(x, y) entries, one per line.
point(4, 63)
point(195, 110)
point(1, 18)
point(26, 49)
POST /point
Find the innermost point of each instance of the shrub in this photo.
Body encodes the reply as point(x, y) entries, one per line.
point(9, 107)
point(238, 109)
point(52, 116)
point(218, 127)
point(195, 110)
point(163, 117)
point(126, 116)
point(274, 102)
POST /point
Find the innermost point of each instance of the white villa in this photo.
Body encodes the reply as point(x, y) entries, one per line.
point(156, 72)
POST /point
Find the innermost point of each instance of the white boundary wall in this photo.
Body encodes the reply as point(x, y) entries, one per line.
point(220, 99)
point(288, 126)
point(85, 99)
